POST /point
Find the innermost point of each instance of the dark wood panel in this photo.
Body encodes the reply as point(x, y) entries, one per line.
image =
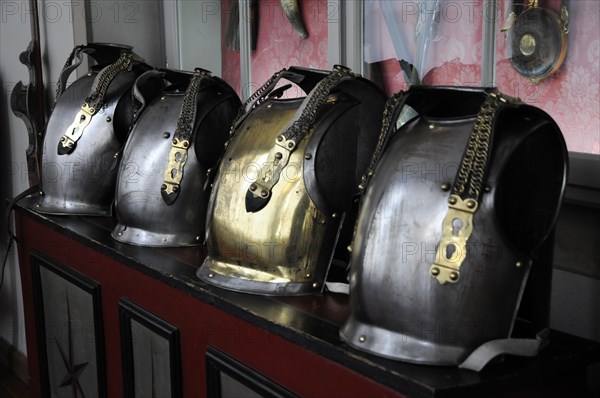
point(292, 341)
point(69, 330)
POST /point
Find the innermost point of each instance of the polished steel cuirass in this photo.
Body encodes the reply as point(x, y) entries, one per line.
point(400, 307)
point(286, 247)
point(82, 182)
point(144, 216)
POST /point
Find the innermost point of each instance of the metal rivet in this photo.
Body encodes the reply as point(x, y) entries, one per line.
point(349, 248)
point(308, 275)
point(108, 119)
point(211, 275)
point(445, 186)
point(164, 186)
point(70, 144)
point(269, 106)
point(435, 271)
point(362, 338)
point(198, 238)
point(253, 187)
point(334, 215)
point(166, 134)
point(186, 144)
point(116, 155)
point(487, 188)
point(361, 186)
point(280, 138)
point(162, 98)
point(431, 126)
point(264, 193)
point(315, 285)
point(174, 141)
point(308, 156)
point(290, 144)
point(518, 264)
point(90, 74)
point(470, 204)
point(452, 201)
point(175, 188)
point(41, 193)
point(38, 205)
point(62, 139)
point(120, 234)
point(453, 275)
point(278, 155)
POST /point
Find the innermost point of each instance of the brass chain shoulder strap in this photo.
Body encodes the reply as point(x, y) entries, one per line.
point(463, 202)
point(472, 168)
point(93, 102)
point(259, 192)
point(316, 98)
point(388, 112)
point(96, 98)
point(255, 100)
point(182, 138)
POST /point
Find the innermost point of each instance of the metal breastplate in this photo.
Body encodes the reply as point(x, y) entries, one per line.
point(145, 218)
point(82, 181)
point(430, 283)
point(285, 247)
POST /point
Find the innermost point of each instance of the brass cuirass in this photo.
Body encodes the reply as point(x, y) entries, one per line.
point(281, 243)
point(279, 199)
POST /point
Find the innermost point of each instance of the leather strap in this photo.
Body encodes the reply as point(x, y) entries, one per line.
point(338, 287)
point(493, 348)
point(73, 61)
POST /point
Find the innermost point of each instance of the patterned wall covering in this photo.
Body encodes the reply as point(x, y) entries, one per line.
point(278, 45)
point(571, 96)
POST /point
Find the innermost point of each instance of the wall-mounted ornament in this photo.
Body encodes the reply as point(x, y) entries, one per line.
point(292, 11)
point(537, 39)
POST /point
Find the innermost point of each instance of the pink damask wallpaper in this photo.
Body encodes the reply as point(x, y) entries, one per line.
point(278, 44)
point(571, 96)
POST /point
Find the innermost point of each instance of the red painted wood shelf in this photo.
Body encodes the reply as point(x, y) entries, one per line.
point(291, 342)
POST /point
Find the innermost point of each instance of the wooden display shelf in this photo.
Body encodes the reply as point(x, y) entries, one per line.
point(274, 346)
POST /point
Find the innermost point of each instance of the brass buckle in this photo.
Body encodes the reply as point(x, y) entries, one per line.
point(457, 227)
point(272, 168)
point(75, 130)
point(174, 172)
